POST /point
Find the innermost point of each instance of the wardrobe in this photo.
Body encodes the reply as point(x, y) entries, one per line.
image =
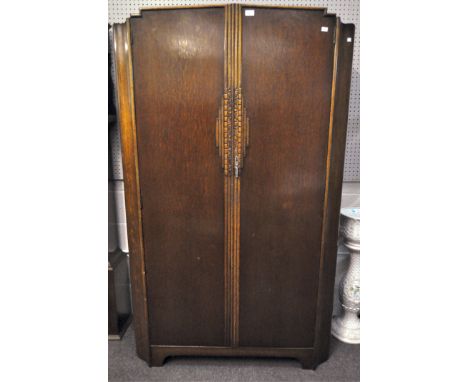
point(233, 126)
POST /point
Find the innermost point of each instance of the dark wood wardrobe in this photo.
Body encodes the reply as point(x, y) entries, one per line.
point(233, 122)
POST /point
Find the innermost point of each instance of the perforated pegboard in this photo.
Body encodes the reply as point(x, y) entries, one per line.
point(347, 10)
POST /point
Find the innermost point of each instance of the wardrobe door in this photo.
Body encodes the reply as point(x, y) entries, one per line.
point(178, 63)
point(287, 70)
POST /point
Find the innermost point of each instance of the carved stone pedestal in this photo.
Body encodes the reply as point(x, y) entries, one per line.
point(346, 327)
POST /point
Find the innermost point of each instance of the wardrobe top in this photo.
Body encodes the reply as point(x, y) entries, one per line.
point(142, 10)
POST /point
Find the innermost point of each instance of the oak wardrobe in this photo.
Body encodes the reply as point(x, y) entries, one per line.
point(233, 125)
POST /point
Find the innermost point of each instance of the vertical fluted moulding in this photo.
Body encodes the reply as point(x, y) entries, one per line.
point(232, 141)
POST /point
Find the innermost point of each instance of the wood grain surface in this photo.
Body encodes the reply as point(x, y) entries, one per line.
point(178, 63)
point(287, 68)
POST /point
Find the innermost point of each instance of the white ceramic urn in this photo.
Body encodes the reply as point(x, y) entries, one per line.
point(346, 326)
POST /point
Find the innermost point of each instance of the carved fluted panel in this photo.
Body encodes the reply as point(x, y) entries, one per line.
point(232, 135)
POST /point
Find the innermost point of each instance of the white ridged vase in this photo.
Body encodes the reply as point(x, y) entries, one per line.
point(346, 326)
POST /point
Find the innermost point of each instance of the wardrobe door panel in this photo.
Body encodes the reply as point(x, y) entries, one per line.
point(287, 70)
point(178, 63)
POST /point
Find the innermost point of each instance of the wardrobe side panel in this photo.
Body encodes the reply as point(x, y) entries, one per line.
point(124, 81)
point(345, 42)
